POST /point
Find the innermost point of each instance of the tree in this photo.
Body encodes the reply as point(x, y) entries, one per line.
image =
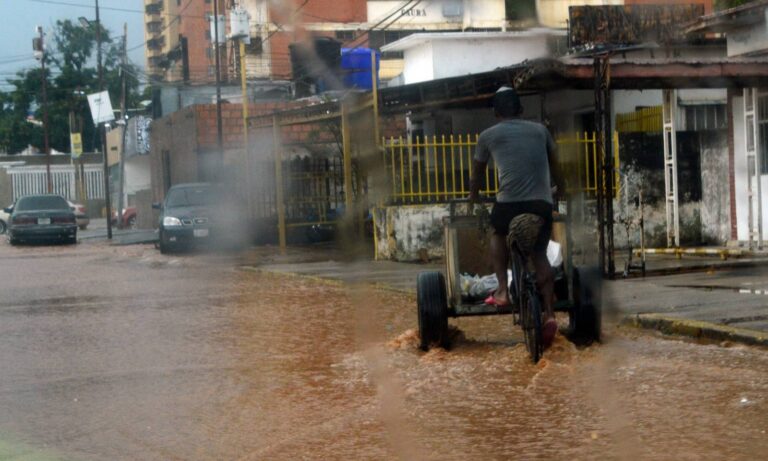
point(71, 73)
point(726, 4)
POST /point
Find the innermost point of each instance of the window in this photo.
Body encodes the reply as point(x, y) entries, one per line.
point(207, 34)
point(345, 35)
point(704, 117)
point(209, 52)
point(255, 48)
point(520, 10)
point(762, 122)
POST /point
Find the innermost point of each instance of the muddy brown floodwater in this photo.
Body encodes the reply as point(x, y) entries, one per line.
point(288, 368)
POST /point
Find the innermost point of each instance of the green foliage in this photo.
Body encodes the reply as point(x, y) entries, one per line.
point(726, 4)
point(71, 73)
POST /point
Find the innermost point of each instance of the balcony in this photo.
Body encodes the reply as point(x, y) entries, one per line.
point(155, 26)
point(153, 7)
point(156, 44)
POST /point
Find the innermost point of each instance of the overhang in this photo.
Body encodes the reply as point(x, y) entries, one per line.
point(728, 20)
point(420, 38)
point(578, 74)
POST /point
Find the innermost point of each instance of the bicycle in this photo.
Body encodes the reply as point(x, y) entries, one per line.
point(523, 292)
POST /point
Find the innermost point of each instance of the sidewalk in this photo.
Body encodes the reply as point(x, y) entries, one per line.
point(97, 230)
point(728, 301)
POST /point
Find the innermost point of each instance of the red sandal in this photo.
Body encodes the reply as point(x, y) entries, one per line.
point(491, 301)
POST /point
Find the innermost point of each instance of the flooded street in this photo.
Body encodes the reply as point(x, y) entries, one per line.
point(120, 353)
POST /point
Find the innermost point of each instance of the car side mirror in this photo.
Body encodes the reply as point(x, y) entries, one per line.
point(157, 206)
point(8, 210)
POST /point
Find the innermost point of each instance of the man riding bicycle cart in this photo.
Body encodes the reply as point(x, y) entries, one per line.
point(521, 221)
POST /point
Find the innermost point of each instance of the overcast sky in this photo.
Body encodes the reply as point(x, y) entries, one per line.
point(18, 19)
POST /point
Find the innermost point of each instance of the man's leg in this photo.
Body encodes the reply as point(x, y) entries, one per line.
point(500, 260)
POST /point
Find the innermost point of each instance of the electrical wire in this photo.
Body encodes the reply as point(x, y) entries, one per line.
point(108, 8)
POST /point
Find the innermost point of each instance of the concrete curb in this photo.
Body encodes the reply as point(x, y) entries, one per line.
point(703, 267)
point(696, 329)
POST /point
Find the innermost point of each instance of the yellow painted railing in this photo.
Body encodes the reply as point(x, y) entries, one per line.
point(647, 120)
point(438, 168)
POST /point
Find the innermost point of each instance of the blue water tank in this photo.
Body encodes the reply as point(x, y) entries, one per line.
point(356, 67)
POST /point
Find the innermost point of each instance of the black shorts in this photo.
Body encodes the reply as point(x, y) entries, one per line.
point(503, 213)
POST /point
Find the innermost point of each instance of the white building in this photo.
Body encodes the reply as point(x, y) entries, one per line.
point(431, 56)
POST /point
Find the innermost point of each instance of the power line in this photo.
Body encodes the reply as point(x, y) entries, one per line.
point(111, 8)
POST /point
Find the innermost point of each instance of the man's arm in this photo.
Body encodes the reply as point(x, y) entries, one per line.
point(479, 165)
point(554, 166)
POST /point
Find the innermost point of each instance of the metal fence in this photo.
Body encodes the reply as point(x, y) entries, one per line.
point(647, 120)
point(30, 180)
point(437, 169)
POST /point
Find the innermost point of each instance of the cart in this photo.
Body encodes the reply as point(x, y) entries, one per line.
point(439, 297)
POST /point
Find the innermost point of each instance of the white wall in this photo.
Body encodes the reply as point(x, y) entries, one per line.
point(419, 66)
point(764, 190)
point(137, 174)
point(442, 58)
point(428, 15)
point(749, 39)
point(471, 56)
point(740, 175)
point(740, 170)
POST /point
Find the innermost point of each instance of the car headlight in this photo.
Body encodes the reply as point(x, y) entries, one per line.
point(171, 221)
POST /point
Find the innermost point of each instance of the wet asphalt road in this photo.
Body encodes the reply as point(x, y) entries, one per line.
point(121, 353)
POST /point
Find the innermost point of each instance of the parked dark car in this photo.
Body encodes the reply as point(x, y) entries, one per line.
point(201, 214)
point(36, 218)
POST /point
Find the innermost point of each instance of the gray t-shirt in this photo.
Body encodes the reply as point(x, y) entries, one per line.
point(519, 149)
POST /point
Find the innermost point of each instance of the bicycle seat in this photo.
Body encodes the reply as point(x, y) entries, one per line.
point(523, 232)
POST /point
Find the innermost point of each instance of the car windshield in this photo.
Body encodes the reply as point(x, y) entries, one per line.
point(42, 202)
point(191, 196)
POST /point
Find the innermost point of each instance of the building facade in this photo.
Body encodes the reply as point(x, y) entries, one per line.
point(178, 41)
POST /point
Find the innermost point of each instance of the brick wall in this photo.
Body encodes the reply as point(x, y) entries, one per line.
point(173, 143)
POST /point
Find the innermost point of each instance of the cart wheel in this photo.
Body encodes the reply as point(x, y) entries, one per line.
point(433, 310)
point(530, 321)
point(586, 314)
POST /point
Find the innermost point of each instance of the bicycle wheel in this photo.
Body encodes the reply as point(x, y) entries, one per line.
point(516, 282)
point(530, 321)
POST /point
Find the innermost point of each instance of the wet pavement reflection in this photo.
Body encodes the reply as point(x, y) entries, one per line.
point(125, 354)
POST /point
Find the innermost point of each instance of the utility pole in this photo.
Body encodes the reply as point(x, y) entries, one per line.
point(39, 49)
point(103, 133)
point(124, 118)
point(217, 49)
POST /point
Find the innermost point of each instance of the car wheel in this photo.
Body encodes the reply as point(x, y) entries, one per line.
point(83, 226)
point(13, 241)
point(3, 227)
point(165, 247)
point(132, 222)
